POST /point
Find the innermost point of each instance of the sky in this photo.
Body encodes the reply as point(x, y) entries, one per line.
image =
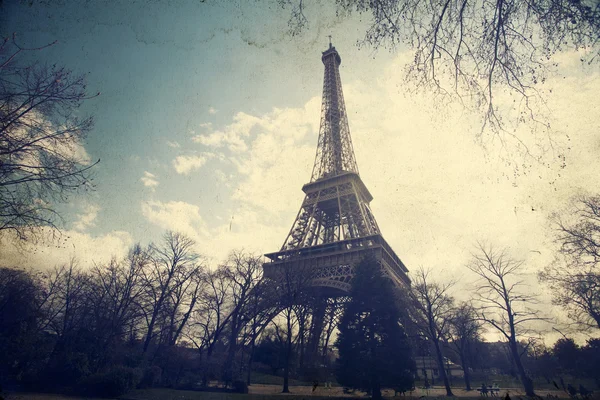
point(207, 123)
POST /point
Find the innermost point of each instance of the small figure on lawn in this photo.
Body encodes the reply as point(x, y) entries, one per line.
point(315, 384)
point(483, 390)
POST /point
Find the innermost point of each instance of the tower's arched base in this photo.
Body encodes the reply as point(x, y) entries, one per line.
point(327, 271)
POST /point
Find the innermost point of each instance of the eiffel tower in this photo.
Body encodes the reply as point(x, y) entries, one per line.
point(335, 227)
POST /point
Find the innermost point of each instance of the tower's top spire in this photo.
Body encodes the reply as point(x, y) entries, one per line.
point(331, 51)
point(335, 154)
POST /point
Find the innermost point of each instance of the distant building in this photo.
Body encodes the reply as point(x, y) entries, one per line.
point(428, 366)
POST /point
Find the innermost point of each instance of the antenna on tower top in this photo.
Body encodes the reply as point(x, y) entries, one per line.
point(329, 36)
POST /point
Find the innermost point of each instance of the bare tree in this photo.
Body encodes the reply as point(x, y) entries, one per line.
point(261, 309)
point(173, 264)
point(434, 304)
point(285, 327)
point(477, 49)
point(465, 331)
point(42, 159)
point(307, 340)
point(67, 306)
point(211, 317)
point(231, 309)
point(292, 289)
point(245, 273)
point(117, 290)
point(189, 291)
point(574, 276)
point(505, 302)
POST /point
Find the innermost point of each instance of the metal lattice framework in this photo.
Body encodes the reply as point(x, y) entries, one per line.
point(335, 226)
point(335, 154)
point(334, 209)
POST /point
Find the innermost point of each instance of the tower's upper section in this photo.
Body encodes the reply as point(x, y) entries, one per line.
point(335, 154)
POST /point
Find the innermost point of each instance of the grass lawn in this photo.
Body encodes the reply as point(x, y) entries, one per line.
point(47, 396)
point(298, 393)
point(170, 394)
point(271, 390)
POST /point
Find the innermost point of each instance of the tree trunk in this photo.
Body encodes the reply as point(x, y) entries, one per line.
point(288, 354)
point(441, 368)
point(184, 321)
point(232, 348)
point(376, 390)
point(525, 380)
point(155, 312)
point(375, 381)
point(150, 329)
point(302, 346)
point(251, 357)
point(465, 368)
point(512, 344)
point(209, 351)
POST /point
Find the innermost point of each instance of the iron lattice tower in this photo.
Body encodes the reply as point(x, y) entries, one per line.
point(335, 227)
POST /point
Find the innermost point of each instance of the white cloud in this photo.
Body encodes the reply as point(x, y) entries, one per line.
point(264, 186)
point(245, 228)
point(85, 248)
point(185, 164)
point(279, 160)
point(149, 180)
point(173, 144)
point(177, 216)
point(233, 136)
point(87, 218)
point(212, 111)
point(223, 178)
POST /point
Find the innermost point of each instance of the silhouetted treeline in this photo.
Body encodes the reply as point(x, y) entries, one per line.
point(565, 359)
point(159, 316)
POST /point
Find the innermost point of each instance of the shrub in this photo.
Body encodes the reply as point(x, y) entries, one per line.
point(112, 382)
point(68, 367)
point(151, 377)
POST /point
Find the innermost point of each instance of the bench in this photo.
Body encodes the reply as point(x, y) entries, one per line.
point(494, 391)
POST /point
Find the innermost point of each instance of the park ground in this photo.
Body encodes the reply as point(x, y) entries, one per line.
point(273, 392)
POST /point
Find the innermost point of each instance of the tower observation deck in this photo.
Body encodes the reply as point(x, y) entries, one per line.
point(335, 227)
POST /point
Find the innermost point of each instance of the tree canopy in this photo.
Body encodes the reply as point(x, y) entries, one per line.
point(574, 277)
point(42, 158)
point(373, 347)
